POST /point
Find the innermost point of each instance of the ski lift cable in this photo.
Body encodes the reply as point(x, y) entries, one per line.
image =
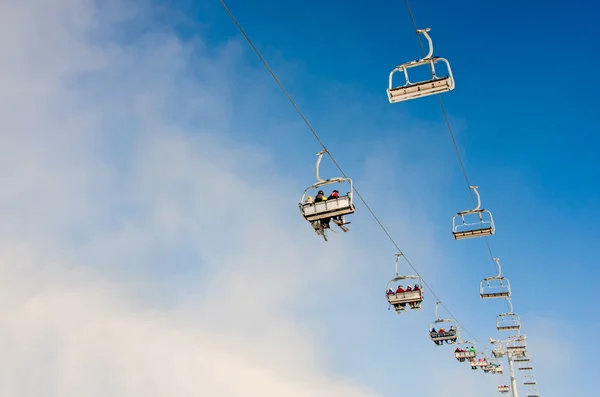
point(447, 120)
point(264, 62)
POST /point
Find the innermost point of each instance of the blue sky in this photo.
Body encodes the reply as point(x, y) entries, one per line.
point(159, 179)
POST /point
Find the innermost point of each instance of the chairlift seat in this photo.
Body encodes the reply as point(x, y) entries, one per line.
point(446, 335)
point(338, 206)
point(465, 354)
point(489, 295)
point(529, 383)
point(405, 297)
point(516, 349)
point(527, 368)
point(487, 231)
point(420, 89)
point(508, 327)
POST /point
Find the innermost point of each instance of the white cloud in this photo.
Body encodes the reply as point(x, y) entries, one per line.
point(102, 188)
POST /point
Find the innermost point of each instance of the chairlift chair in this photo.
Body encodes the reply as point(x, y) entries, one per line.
point(399, 300)
point(522, 360)
point(330, 208)
point(503, 389)
point(526, 367)
point(466, 355)
point(508, 321)
point(495, 287)
point(436, 85)
point(448, 336)
point(529, 381)
point(463, 228)
point(517, 346)
point(532, 392)
point(498, 353)
point(480, 364)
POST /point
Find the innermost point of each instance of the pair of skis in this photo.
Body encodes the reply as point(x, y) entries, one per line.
point(322, 230)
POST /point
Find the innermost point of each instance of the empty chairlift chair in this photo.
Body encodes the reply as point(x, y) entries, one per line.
point(498, 353)
point(522, 360)
point(508, 321)
point(525, 366)
point(449, 335)
point(532, 392)
point(495, 287)
point(400, 300)
point(333, 209)
point(464, 226)
point(516, 346)
point(410, 90)
point(529, 381)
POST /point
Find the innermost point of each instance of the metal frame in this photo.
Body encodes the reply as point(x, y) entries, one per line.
point(415, 297)
point(445, 337)
point(489, 290)
point(529, 380)
point(436, 85)
point(516, 345)
point(471, 232)
point(508, 321)
point(466, 355)
point(533, 392)
point(314, 212)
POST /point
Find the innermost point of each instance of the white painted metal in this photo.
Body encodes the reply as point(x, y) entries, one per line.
point(511, 370)
point(467, 228)
point(529, 380)
point(495, 287)
point(508, 321)
point(436, 85)
point(516, 345)
point(532, 392)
